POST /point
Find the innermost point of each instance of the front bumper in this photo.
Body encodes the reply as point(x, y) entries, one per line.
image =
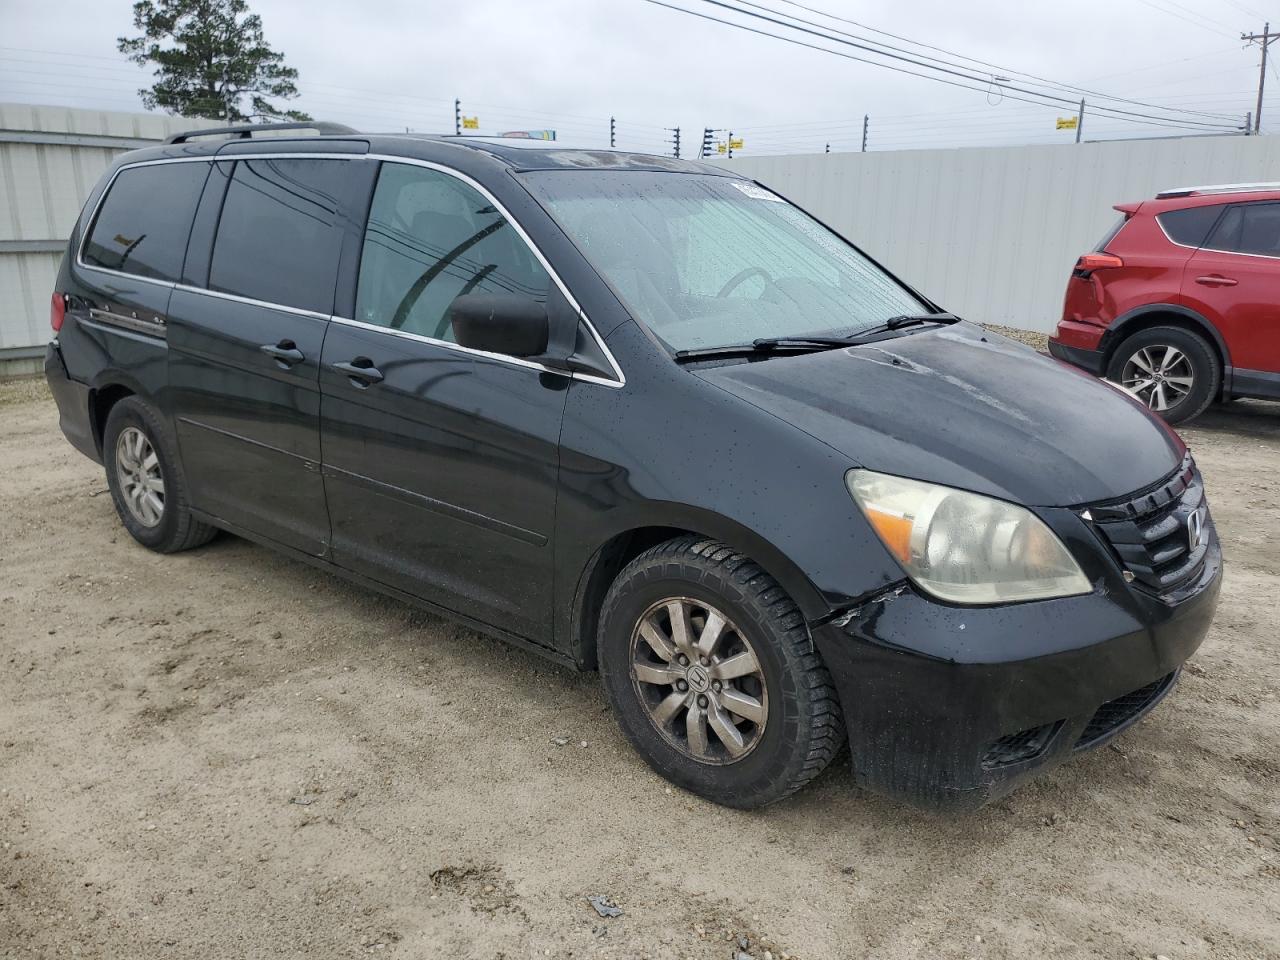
point(952, 707)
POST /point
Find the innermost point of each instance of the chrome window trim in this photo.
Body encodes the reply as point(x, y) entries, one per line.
point(619, 382)
point(250, 301)
point(407, 335)
point(1242, 253)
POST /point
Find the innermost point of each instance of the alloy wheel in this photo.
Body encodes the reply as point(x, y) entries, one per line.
point(1159, 375)
point(699, 680)
point(138, 473)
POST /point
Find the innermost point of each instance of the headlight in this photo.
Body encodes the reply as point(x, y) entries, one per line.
point(963, 547)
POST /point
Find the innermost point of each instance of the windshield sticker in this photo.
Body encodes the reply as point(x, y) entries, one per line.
point(756, 192)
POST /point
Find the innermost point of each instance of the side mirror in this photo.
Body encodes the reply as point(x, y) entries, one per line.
point(500, 323)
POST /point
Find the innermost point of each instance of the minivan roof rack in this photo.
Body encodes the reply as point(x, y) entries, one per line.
point(245, 131)
point(1216, 188)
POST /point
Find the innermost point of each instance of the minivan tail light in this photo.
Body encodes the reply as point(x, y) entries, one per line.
point(57, 311)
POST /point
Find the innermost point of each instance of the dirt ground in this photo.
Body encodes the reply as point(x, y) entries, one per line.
point(229, 754)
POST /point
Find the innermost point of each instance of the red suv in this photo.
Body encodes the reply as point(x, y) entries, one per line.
point(1180, 302)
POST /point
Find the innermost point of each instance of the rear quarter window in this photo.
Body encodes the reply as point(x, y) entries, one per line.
point(143, 224)
point(1191, 226)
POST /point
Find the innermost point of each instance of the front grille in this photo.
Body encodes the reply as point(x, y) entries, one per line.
point(1020, 746)
point(1114, 715)
point(1151, 533)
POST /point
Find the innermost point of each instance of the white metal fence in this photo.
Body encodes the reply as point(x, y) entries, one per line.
point(992, 232)
point(50, 158)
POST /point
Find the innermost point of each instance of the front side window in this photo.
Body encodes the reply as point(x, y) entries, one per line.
point(1249, 228)
point(278, 236)
point(144, 222)
point(708, 261)
point(430, 239)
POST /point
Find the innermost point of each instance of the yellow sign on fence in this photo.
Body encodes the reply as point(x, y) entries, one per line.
point(470, 123)
point(735, 143)
point(1068, 123)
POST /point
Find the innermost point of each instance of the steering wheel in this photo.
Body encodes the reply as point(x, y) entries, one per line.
point(737, 279)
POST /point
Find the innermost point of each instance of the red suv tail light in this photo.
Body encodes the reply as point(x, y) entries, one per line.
point(57, 311)
point(1097, 261)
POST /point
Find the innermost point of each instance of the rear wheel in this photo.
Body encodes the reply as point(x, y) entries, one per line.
point(710, 671)
point(146, 481)
point(1173, 371)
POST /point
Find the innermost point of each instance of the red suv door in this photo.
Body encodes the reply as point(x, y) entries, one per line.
point(1234, 281)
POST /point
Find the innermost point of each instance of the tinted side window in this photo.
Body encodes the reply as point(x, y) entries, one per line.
point(1190, 227)
point(1249, 228)
point(143, 224)
point(278, 237)
point(432, 238)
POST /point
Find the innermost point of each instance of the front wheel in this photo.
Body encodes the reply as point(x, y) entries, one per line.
point(1173, 371)
point(709, 669)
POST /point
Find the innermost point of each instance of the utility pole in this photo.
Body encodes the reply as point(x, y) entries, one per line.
point(1080, 121)
point(613, 131)
point(707, 134)
point(457, 118)
point(1264, 40)
point(675, 141)
point(866, 119)
point(1248, 122)
point(730, 148)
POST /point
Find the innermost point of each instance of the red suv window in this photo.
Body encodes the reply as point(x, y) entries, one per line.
point(1189, 227)
point(1250, 228)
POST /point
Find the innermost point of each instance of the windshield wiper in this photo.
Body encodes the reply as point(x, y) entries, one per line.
point(815, 343)
point(910, 320)
point(764, 345)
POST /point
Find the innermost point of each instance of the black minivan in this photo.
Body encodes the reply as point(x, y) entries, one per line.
point(644, 416)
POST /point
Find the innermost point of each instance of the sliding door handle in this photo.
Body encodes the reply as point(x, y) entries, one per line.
point(361, 371)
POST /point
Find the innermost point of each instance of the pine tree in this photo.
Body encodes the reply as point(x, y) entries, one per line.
point(208, 56)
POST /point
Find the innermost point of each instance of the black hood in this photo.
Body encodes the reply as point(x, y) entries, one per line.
point(968, 409)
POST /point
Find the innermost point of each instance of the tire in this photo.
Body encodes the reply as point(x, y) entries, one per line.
point(137, 451)
point(1175, 356)
point(798, 726)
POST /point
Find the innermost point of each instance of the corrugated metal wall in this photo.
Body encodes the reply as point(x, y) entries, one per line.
point(992, 232)
point(50, 158)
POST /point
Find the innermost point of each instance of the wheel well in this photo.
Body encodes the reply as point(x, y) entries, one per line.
point(100, 403)
point(603, 570)
point(1162, 319)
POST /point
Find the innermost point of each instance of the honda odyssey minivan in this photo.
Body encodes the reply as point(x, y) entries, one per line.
point(646, 417)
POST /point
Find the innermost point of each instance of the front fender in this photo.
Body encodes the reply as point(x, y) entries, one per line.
point(672, 451)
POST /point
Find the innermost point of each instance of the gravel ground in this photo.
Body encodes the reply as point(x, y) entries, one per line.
point(226, 753)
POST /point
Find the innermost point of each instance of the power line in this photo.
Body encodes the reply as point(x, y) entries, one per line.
point(959, 56)
point(1003, 88)
point(910, 58)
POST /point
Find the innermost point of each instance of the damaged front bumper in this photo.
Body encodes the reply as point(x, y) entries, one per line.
point(951, 707)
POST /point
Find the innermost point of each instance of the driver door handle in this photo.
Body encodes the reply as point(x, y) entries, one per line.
point(1214, 280)
point(361, 371)
point(285, 353)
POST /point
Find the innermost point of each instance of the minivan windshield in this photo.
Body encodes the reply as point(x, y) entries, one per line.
point(708, 261)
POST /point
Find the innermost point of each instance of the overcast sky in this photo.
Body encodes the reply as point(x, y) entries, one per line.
point(571, 64)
